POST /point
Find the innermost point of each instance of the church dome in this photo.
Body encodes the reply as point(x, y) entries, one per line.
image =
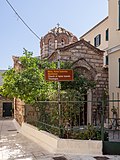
point(59, 30)
point(55, 38)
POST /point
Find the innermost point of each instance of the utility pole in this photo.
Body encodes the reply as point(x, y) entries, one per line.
point(59, 103)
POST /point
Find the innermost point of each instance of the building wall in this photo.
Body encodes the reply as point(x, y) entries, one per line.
point(98, 29)
point(114, 48)
point(92, 61)
point(114, 73)
point(19, 111)
point(114, 89)
point(89, 62)
point(113, 23)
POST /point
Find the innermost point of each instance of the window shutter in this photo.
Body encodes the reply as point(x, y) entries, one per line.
point(99, 39)
point(95, 41)
point(106, 60)
point(107, 34)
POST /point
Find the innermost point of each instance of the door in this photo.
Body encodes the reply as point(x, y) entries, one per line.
point(7, 109)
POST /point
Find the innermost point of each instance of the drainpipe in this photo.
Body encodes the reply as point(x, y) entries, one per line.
point(59, 103)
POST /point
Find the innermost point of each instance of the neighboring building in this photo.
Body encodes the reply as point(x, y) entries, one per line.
point(6, 105)
point(98, 36)
point(114, 48)
point(109, 40)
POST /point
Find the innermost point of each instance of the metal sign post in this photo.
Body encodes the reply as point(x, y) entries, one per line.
point(59, 105)
point(59, 75)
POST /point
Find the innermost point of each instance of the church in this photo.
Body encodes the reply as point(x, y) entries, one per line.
point(87, 59)
point(96, 54)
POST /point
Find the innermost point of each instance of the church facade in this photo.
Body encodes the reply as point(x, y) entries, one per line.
point(86, 58)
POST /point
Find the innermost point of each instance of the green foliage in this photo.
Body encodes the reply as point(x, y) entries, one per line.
point(28, 83)
point(80, 83)
point(89, 133)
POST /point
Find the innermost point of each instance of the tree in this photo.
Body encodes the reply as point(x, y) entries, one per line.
point(29, 85)
point(28, 82)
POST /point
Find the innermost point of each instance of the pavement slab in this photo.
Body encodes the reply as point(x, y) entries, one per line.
point(15, 146)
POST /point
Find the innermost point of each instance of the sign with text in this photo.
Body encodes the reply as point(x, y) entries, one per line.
point(59, 75)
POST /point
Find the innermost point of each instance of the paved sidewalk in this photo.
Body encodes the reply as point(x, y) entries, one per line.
point(14, 146)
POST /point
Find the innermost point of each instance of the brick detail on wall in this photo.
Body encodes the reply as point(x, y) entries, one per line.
point(90, 63)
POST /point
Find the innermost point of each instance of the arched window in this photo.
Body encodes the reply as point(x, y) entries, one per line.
point(62, 42)
point(49, 46)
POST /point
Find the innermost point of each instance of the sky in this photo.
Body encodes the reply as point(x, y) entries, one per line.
point(76, 16)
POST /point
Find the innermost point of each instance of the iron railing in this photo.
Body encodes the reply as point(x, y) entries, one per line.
point(73, 119)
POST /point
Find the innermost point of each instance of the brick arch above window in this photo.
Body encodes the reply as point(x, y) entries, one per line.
point(49, 37)
point(63, 37)
point(83, 70)
point(75, 39)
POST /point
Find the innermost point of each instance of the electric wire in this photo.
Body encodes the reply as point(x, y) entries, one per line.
point(22, 19)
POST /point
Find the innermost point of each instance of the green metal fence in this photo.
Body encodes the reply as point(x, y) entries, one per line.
point(74, 119)
point(112, 126)
point(69, 119)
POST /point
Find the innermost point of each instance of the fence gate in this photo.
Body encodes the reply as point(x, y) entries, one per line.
point(112, 128)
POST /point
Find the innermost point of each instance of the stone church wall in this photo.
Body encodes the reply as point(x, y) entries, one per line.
point(19, 111)
point(89, 61)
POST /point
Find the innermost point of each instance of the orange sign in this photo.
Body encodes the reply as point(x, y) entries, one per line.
point(59, 75)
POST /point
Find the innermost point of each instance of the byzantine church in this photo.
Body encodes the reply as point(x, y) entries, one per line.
point(87, 59)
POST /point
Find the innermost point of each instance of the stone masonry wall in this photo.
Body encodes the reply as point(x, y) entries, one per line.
point(19, 111)
point(86, 58)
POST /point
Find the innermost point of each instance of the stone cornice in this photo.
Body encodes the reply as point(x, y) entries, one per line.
point(113, 49)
